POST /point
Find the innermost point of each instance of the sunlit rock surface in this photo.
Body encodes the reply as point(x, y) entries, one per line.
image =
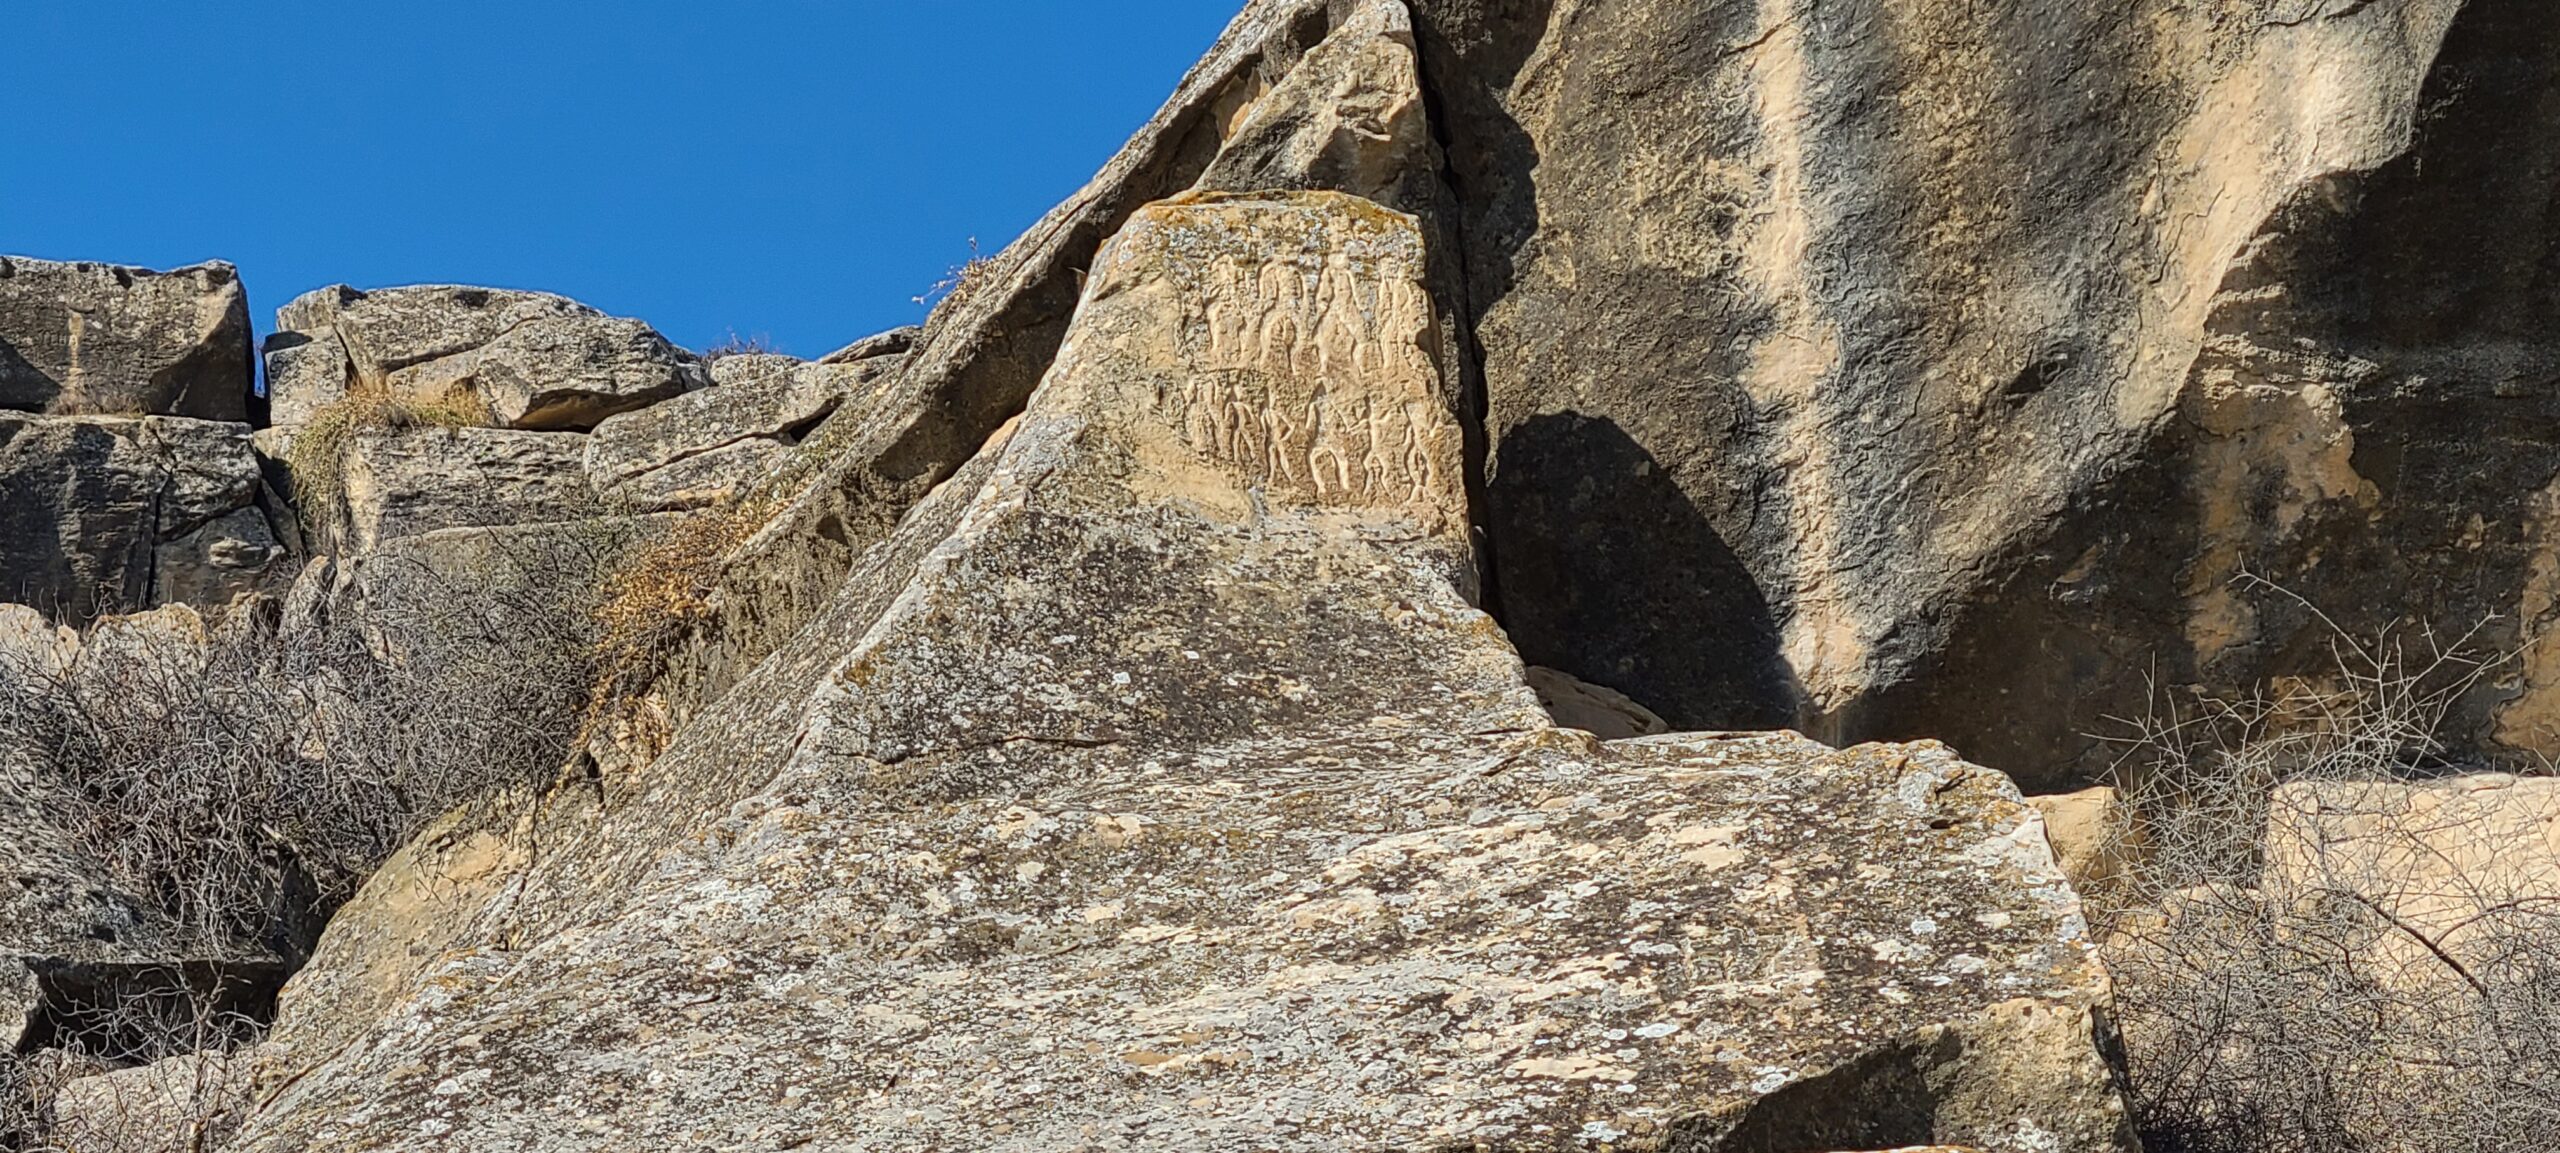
point(1157, 786)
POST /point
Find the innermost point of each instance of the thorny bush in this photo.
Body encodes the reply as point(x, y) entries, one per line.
point(2307, 962)
point(237, 781)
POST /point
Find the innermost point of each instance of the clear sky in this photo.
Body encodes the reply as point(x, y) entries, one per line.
point(792, 169)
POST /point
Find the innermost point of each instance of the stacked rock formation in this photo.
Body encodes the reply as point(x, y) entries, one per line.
point(1295, 654)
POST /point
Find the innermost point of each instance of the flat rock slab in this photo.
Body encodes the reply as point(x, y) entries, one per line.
point(105, 339)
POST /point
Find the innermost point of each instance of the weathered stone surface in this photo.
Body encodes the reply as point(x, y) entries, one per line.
point(2094, 838)
point(1959, 356)
point(890, 343)
point(2463, 868)
point(700, 446)
point(102, 514)
point(182, 1104)
point(1349, 118)
point(1599, 710)
point(306, 373)
point(1156, 786)
point(396, 484)
point(536, 361)
point(103, 339)
point(975, 363)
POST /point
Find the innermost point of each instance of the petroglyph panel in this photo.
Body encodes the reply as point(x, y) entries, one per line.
point(1302, 362)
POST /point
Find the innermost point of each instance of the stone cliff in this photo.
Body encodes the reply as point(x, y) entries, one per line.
point(1297, 651)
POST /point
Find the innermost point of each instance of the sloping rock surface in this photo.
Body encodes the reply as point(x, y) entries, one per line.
point(403, 483)
point(1154, 785)
point(104, 339)
point(702, 446)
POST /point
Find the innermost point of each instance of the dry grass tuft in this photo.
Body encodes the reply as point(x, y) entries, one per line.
point(736, 345)
point(318, 453)
point(661, 590)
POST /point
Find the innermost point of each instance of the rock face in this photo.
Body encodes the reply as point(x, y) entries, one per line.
point(1155, 785)
point(533, 360)
point(103, 339)
point(1960, 356)
point(104, 514)
point(702, 446)
point(398, 484)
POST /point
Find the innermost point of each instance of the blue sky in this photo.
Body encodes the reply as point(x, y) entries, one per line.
point(791, 169)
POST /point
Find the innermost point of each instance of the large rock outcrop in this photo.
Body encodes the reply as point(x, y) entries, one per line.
point(1958, 357)
point(109, 340)
point(1154, 784)
point(111, 514)
point(531, 360)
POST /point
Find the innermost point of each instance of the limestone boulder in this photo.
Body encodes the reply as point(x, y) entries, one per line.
point(104, 339)
point(890, 343)
point(306, 374)
point(701, 446)
point(106, 514)
point(2464, 869)
point(1602, 711)
point(1348, 117)
point(978, 357)
point(532, 360)
point(1963, 358)
point(2093, 834)
point(1156, 785)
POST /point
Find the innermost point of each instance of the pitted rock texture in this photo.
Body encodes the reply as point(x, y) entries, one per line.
point(1959, 355)
point(533, 360)
point(108, 340)
point(1155, 785)
point(114, 514)
point(705, 446)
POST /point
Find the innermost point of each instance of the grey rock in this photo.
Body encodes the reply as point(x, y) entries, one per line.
point(758, 407)
point(218, 560)
point(890, 343)
point(703, 479)
point(1961, 373)
point(1348, 117)
point(1158, 756)
point(17, 1001)
point(175, 1105)
point(1602, 711)
point(533, 360)
point(108, 514)
point(306, 373)
point(103, 339)
point(397, 484)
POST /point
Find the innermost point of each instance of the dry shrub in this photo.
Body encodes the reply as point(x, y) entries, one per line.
point(168, 1070)
point(2286, 1004)
point(253, 779)
point(736, 345)
point(317, 455)
point(963, 280)
point(659, 591)
point(240, 782)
